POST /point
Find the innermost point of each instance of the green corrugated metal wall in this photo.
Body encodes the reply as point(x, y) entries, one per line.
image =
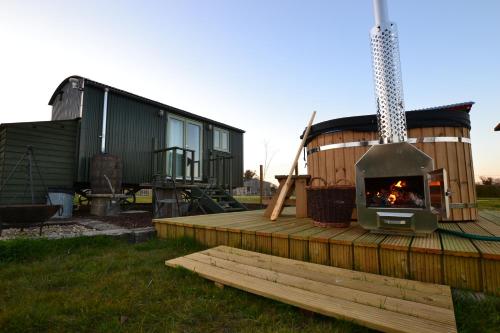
point(54, 145)
point(131, 127)
point(90, 130)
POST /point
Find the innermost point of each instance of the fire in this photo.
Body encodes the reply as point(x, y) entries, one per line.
point(400, 184)
point(396, 191)
point(392, 198)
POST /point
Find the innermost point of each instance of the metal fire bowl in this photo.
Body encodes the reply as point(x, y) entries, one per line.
point(26, 214)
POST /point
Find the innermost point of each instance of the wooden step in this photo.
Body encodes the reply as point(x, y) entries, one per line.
point(378, 302)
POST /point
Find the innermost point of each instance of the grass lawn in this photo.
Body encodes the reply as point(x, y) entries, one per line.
point(107, 285)
point(255, 199)
point(489, 203)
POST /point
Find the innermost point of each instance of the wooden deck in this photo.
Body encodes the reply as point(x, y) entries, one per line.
point(386, 304)
point(437, 258)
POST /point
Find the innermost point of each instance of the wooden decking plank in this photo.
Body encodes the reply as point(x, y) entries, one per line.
point(366, 254)
point(254, 224)
point(488, 249)
point(427, 244)
point(305, 234)
point(264, 237)
point(491, 215)
point(461, 260)
point(299, 242)
point(490, 254)
point(201, 217)
point(396, 242)
point(436, 295)
point(342, 249)
point(285, 233)
point(283, 228)
point(455, 245)
point(319, 246)
point(402, 306)
point(372, 316)
point(394, 256)
point(369, 240)
point(325, 235)
point(426, 261)
point(229, 224)
point(489, 226)
point(348, 237)
point(259, 237)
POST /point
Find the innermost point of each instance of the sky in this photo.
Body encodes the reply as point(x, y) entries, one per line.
point(262, 66)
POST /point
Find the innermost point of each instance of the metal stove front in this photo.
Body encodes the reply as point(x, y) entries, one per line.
point(398, 190)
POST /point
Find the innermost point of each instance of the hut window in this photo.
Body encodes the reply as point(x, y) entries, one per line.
point(221, 139)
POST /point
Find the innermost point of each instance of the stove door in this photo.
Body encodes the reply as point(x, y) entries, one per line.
point(439, 195)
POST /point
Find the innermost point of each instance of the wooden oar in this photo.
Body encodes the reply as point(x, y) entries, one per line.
point(284, 190)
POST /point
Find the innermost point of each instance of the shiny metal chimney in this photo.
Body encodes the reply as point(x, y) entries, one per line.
point(391, 116)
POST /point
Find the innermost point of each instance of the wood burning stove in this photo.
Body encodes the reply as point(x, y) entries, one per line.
point(397, 188)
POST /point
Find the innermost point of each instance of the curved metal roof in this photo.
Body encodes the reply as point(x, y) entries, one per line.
point(142, 99)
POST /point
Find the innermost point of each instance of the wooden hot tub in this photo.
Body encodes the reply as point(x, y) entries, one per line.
point(443, 133)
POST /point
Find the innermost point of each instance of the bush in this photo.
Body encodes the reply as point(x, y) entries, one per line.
point(488, 191)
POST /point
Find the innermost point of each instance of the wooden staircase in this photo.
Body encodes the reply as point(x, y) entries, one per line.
point(214, 199)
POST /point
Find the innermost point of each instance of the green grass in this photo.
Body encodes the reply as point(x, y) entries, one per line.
point(88, 284)
point(489, 203)
point(144, 200)
point(255, 199)
point(106, 285)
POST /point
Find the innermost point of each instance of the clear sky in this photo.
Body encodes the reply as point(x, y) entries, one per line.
point(262, 66)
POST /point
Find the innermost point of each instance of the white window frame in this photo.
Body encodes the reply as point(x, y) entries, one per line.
point(217, 146)
point(185, 121)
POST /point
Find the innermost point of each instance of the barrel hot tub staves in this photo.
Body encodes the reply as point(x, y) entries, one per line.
point(334, 146)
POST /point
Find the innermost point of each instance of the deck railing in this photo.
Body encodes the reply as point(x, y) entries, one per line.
point(165, 164)
point(161, 168)
point(220, 170)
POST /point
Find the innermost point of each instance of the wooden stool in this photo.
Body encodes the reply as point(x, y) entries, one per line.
point(299, 183)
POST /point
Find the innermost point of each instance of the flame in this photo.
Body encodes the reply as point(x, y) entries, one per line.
point(392, 198)
point(395, 191)
point(400, 184)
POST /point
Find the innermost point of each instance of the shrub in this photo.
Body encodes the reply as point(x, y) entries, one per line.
point(488, 191)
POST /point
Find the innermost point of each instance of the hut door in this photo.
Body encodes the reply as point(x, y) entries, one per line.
point(193, 142)
point(175, 138)
point(183, 133)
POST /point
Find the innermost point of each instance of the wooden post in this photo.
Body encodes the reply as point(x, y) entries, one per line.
point(283, 193)
point(261, 183)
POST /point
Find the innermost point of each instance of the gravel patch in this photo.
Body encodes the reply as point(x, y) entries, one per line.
point(49, 231)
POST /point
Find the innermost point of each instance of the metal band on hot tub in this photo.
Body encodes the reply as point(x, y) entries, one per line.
point(427, 139)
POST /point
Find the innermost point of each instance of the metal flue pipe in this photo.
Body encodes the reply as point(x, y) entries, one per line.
point(391, 116)
point(380, 12)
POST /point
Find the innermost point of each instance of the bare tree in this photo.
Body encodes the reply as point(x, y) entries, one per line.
point(249, 174)
point(268, 157)
point(486, 180)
